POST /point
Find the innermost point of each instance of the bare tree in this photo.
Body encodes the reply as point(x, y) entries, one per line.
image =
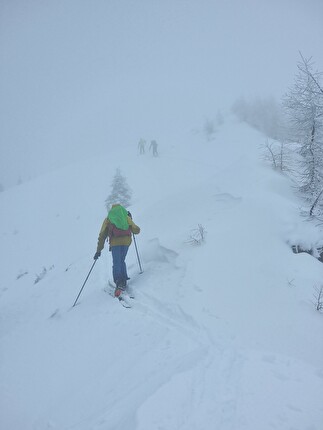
point(316, 202)
point(304, 107)
point(197, 236)
point(278, 154)
point(318, 298)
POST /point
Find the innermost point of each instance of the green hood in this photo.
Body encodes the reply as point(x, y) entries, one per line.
point(118, 216)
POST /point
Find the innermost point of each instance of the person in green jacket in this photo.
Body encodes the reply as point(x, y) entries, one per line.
point(118, 228)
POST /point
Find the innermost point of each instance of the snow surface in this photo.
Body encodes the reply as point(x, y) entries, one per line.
point(222, 335)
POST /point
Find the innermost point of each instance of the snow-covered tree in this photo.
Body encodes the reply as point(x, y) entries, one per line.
point(304, 107)
point(120, 193)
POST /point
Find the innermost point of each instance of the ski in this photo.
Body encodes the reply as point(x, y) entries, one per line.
point(128, 291)
point(123, 298)
point(124, 302)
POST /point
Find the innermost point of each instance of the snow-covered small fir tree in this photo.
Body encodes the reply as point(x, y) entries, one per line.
point(120, 193)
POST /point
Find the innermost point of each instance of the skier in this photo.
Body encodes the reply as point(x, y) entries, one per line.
point(118, 228)
point(141, 146)
point(153, 146)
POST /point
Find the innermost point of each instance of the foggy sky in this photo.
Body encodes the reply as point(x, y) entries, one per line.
point(80, 76)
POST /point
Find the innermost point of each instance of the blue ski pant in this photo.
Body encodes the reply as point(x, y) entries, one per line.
point(119, 268)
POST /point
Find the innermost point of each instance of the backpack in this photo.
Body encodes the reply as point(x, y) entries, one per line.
point(114, 231)
point(118, 226)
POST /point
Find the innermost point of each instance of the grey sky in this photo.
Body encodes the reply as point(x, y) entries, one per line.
point(79, 76)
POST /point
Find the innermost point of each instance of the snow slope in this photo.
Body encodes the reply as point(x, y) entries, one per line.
point(221, 336)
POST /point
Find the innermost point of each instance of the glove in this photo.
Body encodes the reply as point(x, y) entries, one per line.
point(97, 255)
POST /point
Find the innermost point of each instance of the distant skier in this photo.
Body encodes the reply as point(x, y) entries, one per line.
point(153, 146)
point(141, 146)
point(118, 228)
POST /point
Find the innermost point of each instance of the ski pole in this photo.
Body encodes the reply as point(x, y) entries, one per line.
point(134, 239)
point(84, 284)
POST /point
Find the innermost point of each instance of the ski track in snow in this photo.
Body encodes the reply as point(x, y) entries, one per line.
point(219, 368)
point(214, 365)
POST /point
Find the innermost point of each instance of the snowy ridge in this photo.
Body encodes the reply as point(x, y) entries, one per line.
point(221, 336)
